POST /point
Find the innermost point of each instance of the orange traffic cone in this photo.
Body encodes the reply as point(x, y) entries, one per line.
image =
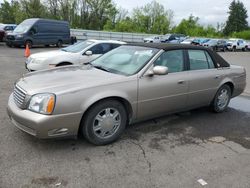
point(27, 51)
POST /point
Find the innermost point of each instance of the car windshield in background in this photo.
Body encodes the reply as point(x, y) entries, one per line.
point(125, 60)
point(78, 47)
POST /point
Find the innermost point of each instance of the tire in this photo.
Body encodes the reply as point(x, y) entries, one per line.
point(29, 43)
point(99, 129)
point(221, 99)
point(234, 49)
point(46, 45)
point(59, 44)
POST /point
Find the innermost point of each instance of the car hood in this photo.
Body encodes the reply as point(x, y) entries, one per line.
point(50, 54)
point(66, 79)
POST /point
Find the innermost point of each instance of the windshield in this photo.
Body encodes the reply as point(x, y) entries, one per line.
point(24, 26)
point(167, 36)
point(125, 60)
point(78, 47)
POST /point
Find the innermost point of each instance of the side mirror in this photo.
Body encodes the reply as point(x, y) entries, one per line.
point(88, 53)
point(158, 70)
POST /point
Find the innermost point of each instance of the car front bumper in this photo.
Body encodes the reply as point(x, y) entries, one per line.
point(44, 126)
point(14, 42)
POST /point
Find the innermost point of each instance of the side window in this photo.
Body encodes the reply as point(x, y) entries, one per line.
point(172, 59)
point(7, 28)
point(106, 47)
point(101, 48)
point(115, 46)
point(197, 59)
point(210, 61)
point(33, 30)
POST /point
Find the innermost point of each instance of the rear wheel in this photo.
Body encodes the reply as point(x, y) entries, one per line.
point(59, 44)
point(221, 99)
point(104, 122)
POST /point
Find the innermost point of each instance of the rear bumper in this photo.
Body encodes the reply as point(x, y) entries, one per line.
point(43, 126)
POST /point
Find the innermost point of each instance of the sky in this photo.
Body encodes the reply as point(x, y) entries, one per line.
point(209, 11)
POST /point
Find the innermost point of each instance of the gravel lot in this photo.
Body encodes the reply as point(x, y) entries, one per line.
point(172, 151)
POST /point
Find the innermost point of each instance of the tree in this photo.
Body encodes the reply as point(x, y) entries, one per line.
point(152, 18)
point(7, 12)
point(33, 8)
point(237, 20)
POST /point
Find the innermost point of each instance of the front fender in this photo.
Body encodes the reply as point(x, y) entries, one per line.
point(109, 94)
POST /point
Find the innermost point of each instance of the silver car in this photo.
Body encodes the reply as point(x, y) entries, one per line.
point(126, 85)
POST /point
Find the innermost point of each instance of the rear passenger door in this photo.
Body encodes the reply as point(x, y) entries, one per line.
point(204, 78)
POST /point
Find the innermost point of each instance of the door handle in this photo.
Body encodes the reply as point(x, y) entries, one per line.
point(181, 81)
point(217, 77)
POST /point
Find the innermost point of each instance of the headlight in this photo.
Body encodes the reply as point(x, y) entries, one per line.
point(52, 66)
point(19, 36)
point(38, 60)
point(43, 103)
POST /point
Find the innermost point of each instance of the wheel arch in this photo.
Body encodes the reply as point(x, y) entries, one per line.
point(125, 102)
point(229, 83)
point(64, 63)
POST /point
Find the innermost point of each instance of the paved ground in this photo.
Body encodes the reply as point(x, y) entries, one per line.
point(172, 151)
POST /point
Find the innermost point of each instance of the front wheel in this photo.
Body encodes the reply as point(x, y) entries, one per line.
point(28, 43)
point(221, 99)
point(104, 122)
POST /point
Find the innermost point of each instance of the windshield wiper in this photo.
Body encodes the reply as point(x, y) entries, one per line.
point(64, 50)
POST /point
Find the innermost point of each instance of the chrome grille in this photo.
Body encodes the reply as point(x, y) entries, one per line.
point(19, 97)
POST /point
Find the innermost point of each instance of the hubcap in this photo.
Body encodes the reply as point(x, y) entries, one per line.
point(223, 99)
point(106, 123)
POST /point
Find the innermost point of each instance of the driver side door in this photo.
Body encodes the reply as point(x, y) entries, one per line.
point(162, 94)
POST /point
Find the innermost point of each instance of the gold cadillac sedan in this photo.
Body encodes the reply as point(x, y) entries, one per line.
point(131, 83)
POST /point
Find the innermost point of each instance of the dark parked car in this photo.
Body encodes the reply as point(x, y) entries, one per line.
point(173, 38)
point(38, 31)
point(4, 29)
point(216, 45)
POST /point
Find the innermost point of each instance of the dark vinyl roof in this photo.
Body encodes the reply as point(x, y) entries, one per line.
point(167, 46)
point(220, 62)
